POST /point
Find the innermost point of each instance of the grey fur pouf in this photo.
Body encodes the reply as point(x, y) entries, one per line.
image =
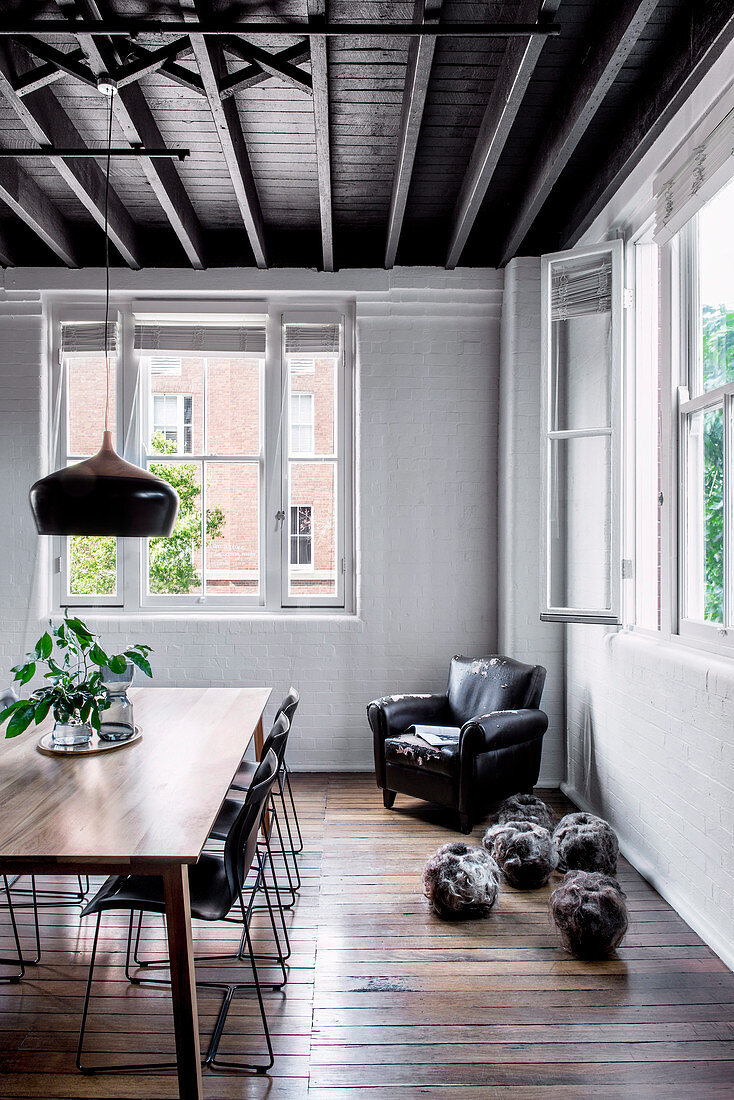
point(524, 807)
point(461, 881)
point(586, 843)
point(590, 913)
point(524, 851)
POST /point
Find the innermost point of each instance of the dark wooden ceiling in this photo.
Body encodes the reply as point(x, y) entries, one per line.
point(340, 150)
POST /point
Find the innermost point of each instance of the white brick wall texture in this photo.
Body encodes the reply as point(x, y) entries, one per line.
point(521, 633)
point(427, 396)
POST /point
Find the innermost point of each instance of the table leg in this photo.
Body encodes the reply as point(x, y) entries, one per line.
point(183, 981)
point(259, 737)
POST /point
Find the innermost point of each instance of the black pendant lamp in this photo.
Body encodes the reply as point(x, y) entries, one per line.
point(104, 495)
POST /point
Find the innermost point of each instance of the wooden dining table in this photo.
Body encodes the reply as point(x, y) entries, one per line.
point(146, 809)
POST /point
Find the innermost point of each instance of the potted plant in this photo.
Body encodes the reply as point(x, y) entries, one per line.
point(75, 693)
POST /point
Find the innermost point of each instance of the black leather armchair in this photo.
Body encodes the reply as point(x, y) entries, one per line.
point(469, 748)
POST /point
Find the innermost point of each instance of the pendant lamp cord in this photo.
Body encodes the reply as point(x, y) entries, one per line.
point(107, 264)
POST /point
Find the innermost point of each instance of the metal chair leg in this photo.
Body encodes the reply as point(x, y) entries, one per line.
point(13, 979)
point(293, 804)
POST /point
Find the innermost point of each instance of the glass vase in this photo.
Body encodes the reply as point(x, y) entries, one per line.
point(118, 723)
point(71, 731)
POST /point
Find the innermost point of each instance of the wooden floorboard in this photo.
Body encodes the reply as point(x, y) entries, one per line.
point(386, 1000)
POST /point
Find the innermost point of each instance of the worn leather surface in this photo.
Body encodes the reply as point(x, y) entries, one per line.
point(494, 701)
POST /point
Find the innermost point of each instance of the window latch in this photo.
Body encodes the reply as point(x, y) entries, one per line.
point(279, 519)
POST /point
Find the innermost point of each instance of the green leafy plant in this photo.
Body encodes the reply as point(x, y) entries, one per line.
point(74, 692)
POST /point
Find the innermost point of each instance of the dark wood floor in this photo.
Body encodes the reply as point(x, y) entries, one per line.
point(385, 1000)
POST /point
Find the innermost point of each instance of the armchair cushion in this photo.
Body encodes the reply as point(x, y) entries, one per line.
point(409, 749)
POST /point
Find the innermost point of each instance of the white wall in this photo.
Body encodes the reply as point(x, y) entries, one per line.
point(521, 632)
point(427, 395)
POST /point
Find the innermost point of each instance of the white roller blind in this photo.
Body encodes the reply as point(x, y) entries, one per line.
point(703, 165)
point(205, 339)
point(87, 337)
point(580, 287)
point(315, 339)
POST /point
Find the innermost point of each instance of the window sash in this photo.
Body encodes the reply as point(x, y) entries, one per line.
point(134, 421)
point(607, 288)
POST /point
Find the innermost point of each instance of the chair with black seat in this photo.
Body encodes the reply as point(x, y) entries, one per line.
point(20, 960)
point(241, 782)
point(467, 749)
point(216, 884)
point(24, 897)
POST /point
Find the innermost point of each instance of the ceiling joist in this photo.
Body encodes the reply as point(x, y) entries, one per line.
point(420, 60)
point(254, 74)
point(224, 28)
point(48, 124)
point(33, 206)
point(602, 63)
point(212, 68)
point(322, 130)
point(508, 92)
point(274, 64)
point(135, 119)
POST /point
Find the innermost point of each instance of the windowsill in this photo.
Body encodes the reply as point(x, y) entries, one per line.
point(678, 641)
point(315, 614)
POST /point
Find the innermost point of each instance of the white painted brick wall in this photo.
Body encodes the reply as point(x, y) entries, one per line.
point(650, 747)
point(428, 369)
point(521, 633)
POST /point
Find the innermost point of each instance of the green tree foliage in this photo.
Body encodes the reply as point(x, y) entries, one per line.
point(172, 561)
point(718, 369)
point(173, 568)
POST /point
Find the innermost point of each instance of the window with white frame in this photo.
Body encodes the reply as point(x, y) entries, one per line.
point(302, 440)
point(706, 419)
point(301, 534)
point(213, 428)
point(172, 420)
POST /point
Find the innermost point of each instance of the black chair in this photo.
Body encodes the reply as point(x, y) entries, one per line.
point(241, 782)
point(468, 748)
point(20, 960)
point(31, 897)
point(216, 885)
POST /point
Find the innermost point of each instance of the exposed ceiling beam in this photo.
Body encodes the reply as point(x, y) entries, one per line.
point(48, 124)
point(7, 253)
point(219, 28)
point(150, 61)
point(65, 61)
point(135, 119)
point(212, 70)
point(254, 74)
point(508, 92)
point(271, 63)
point(33, 206)
point(420, 59)
point(609, 50)
point(689, 53)
point(43, 75)
point(320, 79)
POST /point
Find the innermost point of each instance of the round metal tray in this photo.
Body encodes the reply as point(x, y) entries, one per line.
point(90, 748)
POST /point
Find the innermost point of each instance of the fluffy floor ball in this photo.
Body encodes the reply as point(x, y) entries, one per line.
point(524, 807)
point(524, 851)
point(590, 913)
point(586, 843)
point(461, 881)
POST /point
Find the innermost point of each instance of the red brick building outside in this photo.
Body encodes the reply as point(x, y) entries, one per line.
point(231, 423)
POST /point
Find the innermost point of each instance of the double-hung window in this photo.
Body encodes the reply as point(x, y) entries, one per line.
point(248, 416)
point(706, 421)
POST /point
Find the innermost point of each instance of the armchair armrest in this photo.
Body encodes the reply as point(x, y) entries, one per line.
point(393, 714)
point(501, 729)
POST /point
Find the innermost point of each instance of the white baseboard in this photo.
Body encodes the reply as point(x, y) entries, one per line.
point(310, 769)
point(667, 888)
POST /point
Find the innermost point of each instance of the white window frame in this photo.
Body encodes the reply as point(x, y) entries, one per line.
point(549, 612)
point(180, 425)
point(341, 459)
point(302, 565)
point(308, 424)
point(134, 411)
point(689, 336)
